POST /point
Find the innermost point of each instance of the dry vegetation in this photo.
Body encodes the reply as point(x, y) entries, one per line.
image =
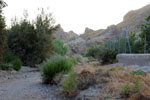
point(122, 84)
point(118, 82)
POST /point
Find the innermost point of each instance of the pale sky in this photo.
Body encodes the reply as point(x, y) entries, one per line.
point(76, 14)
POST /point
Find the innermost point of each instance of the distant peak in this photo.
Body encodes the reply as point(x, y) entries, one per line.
point(88, 30)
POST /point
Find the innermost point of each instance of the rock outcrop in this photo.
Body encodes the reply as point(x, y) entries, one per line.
point(64, 36)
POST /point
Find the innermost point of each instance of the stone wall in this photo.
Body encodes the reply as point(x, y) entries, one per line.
point(134, 59)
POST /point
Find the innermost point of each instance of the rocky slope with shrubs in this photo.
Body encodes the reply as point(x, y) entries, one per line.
point(133, 20)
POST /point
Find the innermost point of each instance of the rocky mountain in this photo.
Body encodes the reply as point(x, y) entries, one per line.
point(133, 20)
point(64, 36)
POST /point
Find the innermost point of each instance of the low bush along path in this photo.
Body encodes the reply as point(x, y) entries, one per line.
point(25, 85)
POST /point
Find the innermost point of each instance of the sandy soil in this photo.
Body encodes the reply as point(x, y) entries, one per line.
point(25, 85)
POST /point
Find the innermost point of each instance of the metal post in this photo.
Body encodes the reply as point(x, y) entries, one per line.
point(145, 44)
point(145, 40)
point(125, 41)
point(113, 44)
point(110, 45)
point(128, 41)
point(119, 42)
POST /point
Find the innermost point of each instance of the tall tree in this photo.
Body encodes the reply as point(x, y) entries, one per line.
point(145, 34)
point(2, 26)
point(32, 42)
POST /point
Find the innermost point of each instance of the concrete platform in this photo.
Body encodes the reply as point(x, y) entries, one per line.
point(134, 59)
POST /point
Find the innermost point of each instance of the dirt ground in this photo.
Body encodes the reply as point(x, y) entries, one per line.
point(25, 85)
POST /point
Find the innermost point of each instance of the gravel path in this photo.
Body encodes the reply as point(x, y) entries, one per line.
point(26, 85)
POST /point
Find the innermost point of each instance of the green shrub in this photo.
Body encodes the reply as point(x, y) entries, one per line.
point(11, 62)
point(107, 56)
point(92, 51)
point(138, 72)
point(17, 64)
point(8, 57)
point(5, 66)
point(73, 60)
point(78, 58)
point(125, 90)
point(53, 66)
point(59, 47)
point(136, 86)
point(112, 69)
point(70, 83)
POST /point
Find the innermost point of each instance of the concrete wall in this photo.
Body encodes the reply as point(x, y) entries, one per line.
point(134, 59)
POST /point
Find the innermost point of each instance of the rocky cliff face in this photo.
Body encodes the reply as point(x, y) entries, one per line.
point(94, 38)
point(64, 36)
point(133, 19)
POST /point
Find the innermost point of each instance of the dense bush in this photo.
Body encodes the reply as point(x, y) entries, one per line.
point(16, 64)
point(53, 66)
point(69, 85)
point(92, 51)
point(32, 42)
point(8, 57)
point(11, 61)
point(107, 56)
point(59, 47)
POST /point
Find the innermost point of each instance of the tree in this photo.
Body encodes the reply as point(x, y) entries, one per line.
point(2, 26)
point(45, 26)
point(145, 30)
point(21, 41)
point(136, 43)
point(32, 42)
